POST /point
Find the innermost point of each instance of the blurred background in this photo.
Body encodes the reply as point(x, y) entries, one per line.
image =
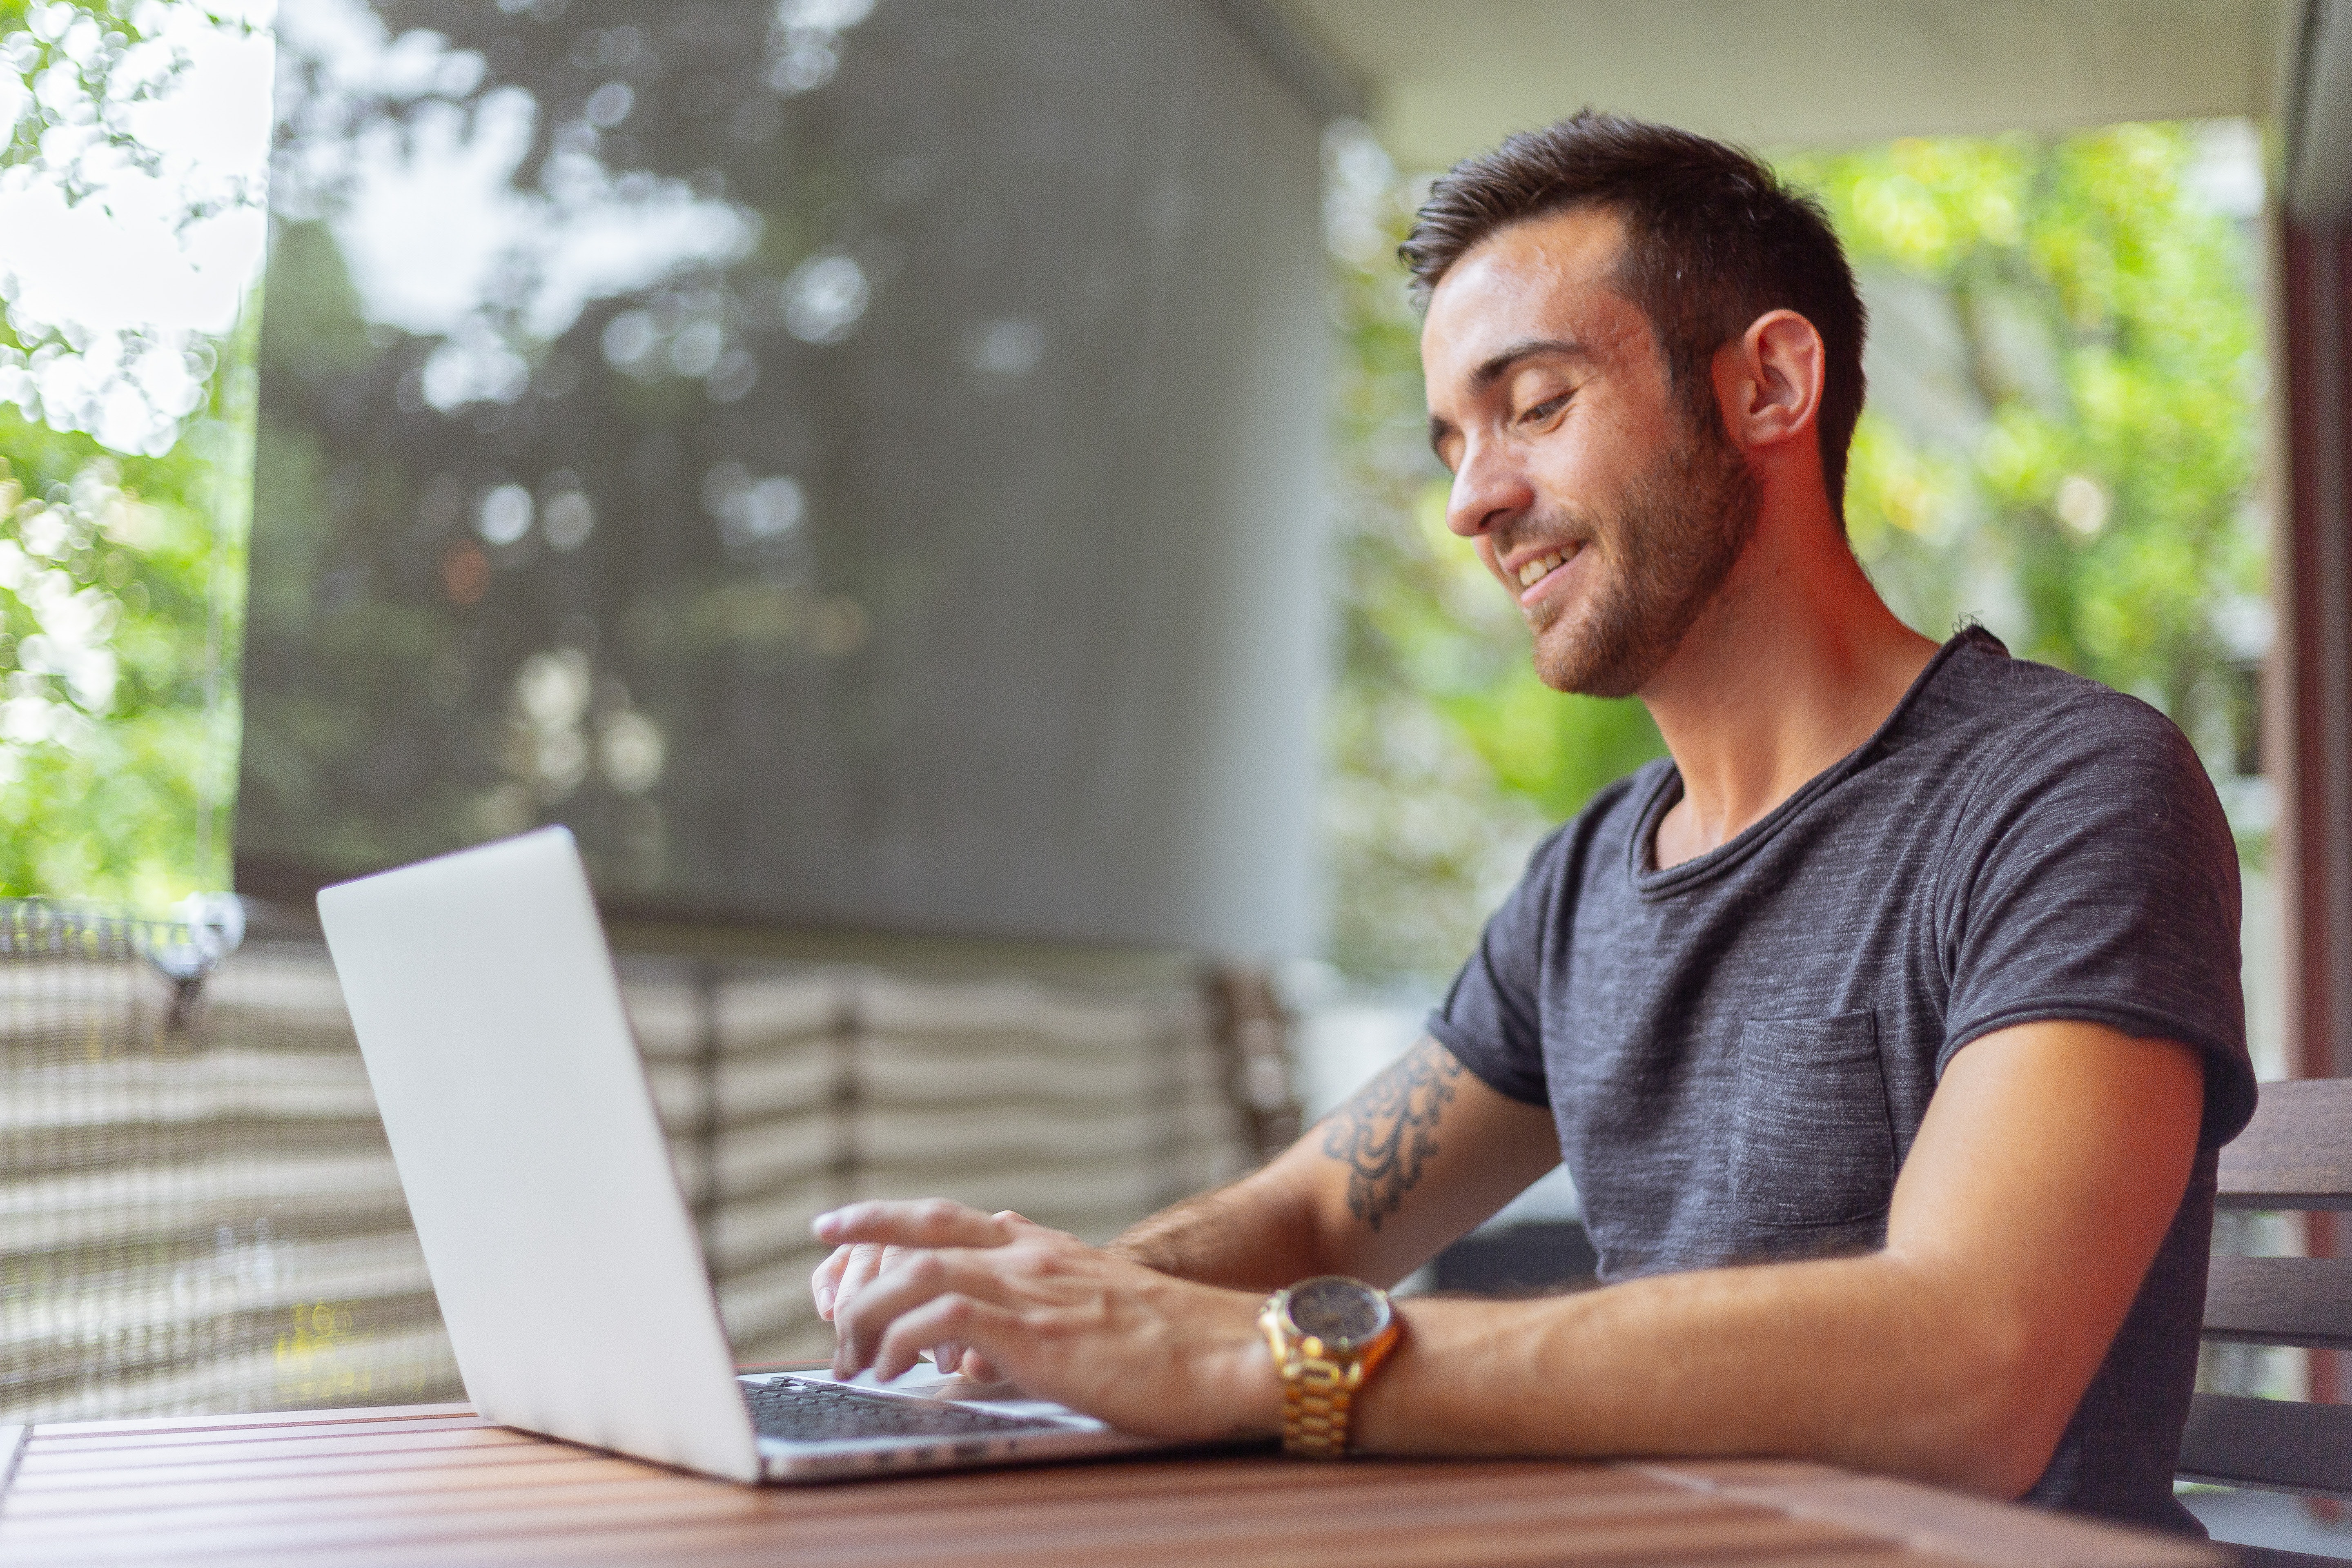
point(936, 499)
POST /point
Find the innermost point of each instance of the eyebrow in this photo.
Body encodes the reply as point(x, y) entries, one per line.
point(1496, 366)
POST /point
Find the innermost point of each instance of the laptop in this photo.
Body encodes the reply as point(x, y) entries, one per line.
point(559, 1241)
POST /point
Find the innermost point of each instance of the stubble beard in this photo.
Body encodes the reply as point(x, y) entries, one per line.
point(1667, 546)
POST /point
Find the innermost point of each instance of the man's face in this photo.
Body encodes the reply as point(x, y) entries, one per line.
point(1600, 508)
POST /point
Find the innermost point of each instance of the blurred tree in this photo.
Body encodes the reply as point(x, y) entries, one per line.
point(2079, 467)
point(2062, 443)
point(120, 576)
point(122, 572)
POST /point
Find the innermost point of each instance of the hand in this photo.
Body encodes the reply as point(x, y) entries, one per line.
point(851, 1267)
point(1143, 1351)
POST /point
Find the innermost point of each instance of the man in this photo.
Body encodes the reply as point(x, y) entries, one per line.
point(1889, 1028)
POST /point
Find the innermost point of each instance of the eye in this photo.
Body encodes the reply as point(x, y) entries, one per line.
point(1545, 409)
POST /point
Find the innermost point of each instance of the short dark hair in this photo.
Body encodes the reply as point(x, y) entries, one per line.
point(1712, 240)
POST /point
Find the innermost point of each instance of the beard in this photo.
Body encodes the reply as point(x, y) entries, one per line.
point(1665, 546)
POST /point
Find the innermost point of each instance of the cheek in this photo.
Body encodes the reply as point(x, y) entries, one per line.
point(1582, 451)
point(1585, 471)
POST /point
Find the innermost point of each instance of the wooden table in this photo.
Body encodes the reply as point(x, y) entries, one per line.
point(434, 1484)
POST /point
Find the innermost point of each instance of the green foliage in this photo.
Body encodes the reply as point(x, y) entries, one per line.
point(64, 102)
point(2061, 443)
point(120, 580)
point(2099, 465)
point(121, 574)
point(73, 72)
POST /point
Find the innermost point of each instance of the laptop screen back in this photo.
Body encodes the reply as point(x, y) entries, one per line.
point(525, 1136)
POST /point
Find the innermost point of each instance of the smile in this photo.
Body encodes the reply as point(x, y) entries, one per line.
point(1534, 574)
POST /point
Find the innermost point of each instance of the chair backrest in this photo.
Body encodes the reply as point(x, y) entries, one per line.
point(2296, 1154)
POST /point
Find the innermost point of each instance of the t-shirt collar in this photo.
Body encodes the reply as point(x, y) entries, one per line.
point(1640, 855)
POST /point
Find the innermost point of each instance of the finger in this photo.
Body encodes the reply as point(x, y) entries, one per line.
point(826, 1283)
point(962, 1361)
point(923, 1275)
point(979, 1368)
point(932, 1222)
point(860, 1317)
point(953, 1313)
point(865, 1260)
point(1020, 1223)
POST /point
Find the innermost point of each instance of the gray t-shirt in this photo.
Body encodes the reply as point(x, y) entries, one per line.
point(1739, 1050)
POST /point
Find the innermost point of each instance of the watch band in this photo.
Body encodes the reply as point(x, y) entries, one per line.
point(1317, 1396)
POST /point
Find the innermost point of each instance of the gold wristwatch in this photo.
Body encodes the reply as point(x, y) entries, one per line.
point(1328, 1335)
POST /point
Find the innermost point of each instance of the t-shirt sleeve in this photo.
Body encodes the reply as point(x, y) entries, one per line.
point(2094, 878)
point(1490, 1018)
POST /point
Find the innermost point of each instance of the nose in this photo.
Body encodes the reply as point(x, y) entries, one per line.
point(1489, 491)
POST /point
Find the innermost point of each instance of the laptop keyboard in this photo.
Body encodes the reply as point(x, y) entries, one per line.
point(808, 1412)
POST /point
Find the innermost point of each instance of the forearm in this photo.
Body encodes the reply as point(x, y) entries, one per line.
point(1421, 1154)
point(1250, 1235)
point(1875, 1362)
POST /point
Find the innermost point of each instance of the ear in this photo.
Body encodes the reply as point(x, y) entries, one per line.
point(1768, 380)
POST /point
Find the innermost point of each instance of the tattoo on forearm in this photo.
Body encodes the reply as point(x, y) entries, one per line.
point(1390, 1129)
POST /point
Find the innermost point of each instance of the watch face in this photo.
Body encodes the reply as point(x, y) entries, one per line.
point(1338, 1310)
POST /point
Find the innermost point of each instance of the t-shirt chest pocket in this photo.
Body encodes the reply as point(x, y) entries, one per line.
point(1811, 1142)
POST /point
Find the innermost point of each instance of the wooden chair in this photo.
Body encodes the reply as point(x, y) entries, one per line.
point(2296, 1154)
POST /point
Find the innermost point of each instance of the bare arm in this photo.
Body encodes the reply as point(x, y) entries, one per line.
point(1421, 1154)
point(2049, 1167)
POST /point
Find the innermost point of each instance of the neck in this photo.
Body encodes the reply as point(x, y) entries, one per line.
point(1793, 664)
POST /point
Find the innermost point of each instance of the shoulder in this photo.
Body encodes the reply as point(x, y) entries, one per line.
point(2056, 781)
point(2091, 875)
point(2032, 731)
point(2068, 790)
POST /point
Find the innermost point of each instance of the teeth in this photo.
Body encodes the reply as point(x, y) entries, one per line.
point(1535, 570)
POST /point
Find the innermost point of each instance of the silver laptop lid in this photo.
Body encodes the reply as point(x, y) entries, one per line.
point(520, 1121)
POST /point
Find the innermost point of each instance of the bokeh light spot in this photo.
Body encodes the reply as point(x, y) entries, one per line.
point(465, 572)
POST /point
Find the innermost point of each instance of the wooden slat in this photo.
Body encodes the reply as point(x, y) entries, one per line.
point(274, 1485)
point(292, 1472)
point(42, 1460)
point(579, 1504)
point(2296, 1154)
point(1969, 1529)
point(130, 1443)
point(2274, 1444)
point(579, 1495)
point(1437, 1541)
point(368, 1414)
point(2302, 1301)
point(1436, 1531)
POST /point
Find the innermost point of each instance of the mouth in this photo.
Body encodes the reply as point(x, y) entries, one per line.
point(1536, 574)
